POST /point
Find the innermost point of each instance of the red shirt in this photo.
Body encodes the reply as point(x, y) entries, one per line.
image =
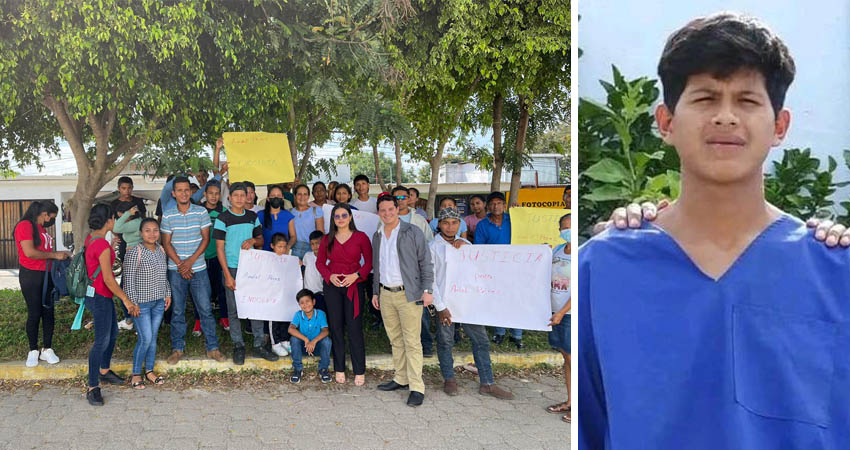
point(345, 259)
point(93, 252)
point(23, 232)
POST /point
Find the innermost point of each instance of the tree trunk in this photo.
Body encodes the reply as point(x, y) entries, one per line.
point(398, 171)
point(377, 159)
point(498, 155)
point(308, 147)
point(522, 128)
point(435, 175)
point(292, 136)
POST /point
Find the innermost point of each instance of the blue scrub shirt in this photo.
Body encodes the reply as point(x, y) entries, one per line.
point(672, 359)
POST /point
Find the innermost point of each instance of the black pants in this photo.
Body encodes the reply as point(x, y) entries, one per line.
point(278, 332)
point(340, 319)
point(31, 286)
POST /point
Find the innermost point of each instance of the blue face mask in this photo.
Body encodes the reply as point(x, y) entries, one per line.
point(565, 235)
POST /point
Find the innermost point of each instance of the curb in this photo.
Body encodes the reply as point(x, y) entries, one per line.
point(16, 370)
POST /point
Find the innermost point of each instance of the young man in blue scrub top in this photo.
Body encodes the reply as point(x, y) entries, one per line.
point(735, 329)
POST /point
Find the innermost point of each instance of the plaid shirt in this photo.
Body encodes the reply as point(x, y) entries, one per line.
point(146, 274)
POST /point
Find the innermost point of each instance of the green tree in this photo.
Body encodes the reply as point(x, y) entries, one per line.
point(361, 162)
point(107, 76)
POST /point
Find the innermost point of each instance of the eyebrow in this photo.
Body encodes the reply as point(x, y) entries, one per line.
point(711, 91)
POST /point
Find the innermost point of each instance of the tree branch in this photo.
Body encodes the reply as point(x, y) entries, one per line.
point(72, 135)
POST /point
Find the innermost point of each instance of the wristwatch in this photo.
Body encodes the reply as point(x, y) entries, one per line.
point(428, 291)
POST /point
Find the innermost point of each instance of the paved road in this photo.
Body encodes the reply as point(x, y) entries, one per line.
point(284, 416)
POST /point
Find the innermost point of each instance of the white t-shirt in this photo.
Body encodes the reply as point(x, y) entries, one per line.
point(390, 270)
point(560, 278)
point(370, 205)
point(312, 277)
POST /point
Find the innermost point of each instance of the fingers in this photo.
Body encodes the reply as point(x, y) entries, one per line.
point(600, 227)
point(634, 214)
point(834, 234)
point(822, 229)
point(663, 204)
point(649, 210)
point(619, 218)
point(813, 222)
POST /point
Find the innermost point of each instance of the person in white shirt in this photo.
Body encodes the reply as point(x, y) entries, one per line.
point(446, 241)
point(312, 277)
point(363, 201)
point(408, 215)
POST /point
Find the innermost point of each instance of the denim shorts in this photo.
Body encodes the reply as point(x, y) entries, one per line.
point(559, 337)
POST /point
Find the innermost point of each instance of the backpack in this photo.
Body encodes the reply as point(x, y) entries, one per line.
point(77, 276)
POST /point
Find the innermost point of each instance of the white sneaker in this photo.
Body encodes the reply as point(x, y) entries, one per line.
point(287, 346)
point(48, 355)
point(124, 325)
point(32, 358)
point(279, 349)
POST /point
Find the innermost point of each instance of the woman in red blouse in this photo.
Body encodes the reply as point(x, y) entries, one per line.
point(338, 261)
point(35, 250)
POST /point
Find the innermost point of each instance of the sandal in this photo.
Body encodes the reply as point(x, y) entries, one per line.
point(567, 418)
point(340, 377)
point(138, 385)
point(559, 408)
point(157, 381)
point(359, 380)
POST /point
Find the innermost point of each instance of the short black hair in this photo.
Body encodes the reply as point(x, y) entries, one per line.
point(451, 199)
point(180, 179)
point(413, 189)
point(125, 180)
point(495, 196)
point(400, 188)
point(387, 198)
point(318, 183)
point(238, 186)
point(565, 216)
point(277, 237)
point(361, 177)
point(316, 234)
point(249, 184)
point(720, 45)
point(304, 293)
point(212, 183)
point(478, 196)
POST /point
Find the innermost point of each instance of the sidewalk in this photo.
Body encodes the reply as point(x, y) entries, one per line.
point(16, 370)
point(9, 279)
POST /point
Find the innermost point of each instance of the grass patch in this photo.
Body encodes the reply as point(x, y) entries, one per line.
point(76, 344)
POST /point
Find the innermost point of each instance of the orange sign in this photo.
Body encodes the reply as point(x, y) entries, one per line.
point(541, 197)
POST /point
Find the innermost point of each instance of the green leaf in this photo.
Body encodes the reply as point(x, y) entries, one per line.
point(608, 170)
point(607, 192)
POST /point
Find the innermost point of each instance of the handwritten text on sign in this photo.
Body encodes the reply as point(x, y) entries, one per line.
point(536, 226)
point(262, 158)
point(500, 285)
point(266, 285)
point(364, 221)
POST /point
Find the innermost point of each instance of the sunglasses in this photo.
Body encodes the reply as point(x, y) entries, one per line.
point(400, 197)
point(341, 216)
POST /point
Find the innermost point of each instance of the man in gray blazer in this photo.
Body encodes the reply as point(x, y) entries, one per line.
point(403, 283)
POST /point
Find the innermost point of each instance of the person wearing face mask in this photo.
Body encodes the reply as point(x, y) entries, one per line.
point(559, 337)
point(35, 251)
point(276, 219)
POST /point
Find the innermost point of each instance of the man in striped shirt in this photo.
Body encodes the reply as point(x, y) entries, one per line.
point(185, 235)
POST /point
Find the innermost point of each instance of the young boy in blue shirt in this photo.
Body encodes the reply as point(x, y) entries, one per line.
point(309, 333)
point(734, 329)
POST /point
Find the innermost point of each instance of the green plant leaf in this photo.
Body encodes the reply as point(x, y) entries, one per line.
point(608, 192)
point(607, 170)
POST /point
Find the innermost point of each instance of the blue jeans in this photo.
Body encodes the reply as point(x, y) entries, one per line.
point(516, 334)
point(480, 351)
point(147, 327)
point(323, 349)
point(200, 287)
point(105, 332)
point(425, 335)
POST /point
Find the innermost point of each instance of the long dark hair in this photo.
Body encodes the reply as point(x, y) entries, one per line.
point(31, 215)
point(267, 213)
point(347, 189)
point(100, 215)
point(333, 229)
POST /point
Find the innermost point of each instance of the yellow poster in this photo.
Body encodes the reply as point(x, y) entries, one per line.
point(536, 225)
point(261, 158)
point(540, 197)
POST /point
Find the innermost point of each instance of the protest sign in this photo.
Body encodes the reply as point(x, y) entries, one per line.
point(499, 285)
point(266, 285)
point(536, 226)
point(262, 158)
point(364, 221)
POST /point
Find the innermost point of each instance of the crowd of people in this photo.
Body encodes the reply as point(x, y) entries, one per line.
point(189, 255)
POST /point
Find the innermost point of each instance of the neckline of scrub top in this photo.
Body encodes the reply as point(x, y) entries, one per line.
point(782, 218)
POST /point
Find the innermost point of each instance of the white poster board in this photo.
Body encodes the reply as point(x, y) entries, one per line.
point(364, 221)
point(500, 285)
point(266, 285)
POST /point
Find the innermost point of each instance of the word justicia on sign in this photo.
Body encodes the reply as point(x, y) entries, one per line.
point(500, 256)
